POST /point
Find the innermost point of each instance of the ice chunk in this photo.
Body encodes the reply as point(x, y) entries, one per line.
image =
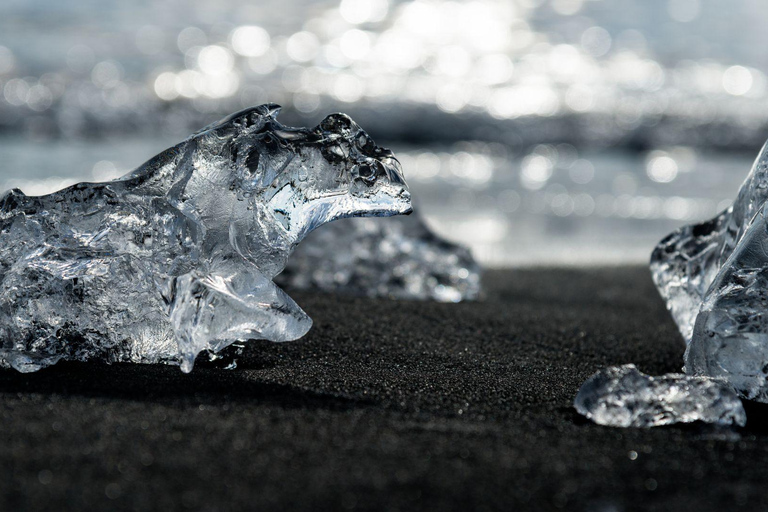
point(685, 263)
point(730, 337)
point(398, 258)
point(622, 396)
point(714, 277)
point(178, 256)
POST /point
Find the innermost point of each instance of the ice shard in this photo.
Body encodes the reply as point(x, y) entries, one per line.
point(397, 258)
point(714, 277)
point(178, 256)
point(730, 337)
point(685, 263)
point(622, 396)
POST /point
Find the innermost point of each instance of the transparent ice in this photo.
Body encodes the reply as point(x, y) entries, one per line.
point(178, 256)
point(622, 396)
point(397, 258)
point(714, 277)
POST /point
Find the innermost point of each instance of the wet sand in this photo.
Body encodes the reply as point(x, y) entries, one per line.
point(386, 406)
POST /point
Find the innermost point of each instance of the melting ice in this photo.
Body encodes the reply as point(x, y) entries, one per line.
point(622, 396)
point(714, 277)
point(178, 256)
point(397, 258)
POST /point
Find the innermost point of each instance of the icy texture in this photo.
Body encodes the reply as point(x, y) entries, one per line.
point(622, 396)
point(685, 263)
point(178, 256)
point(714, 277)
point(730, 337)
point(399, 258)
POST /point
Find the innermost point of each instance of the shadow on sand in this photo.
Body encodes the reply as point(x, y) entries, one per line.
point(161, 383)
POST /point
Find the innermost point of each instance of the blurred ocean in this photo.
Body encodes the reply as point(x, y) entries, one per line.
point(535, 131)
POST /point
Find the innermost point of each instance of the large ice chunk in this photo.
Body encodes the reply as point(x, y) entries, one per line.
point(622, 396)
point(730, 337)
point(178, 256)
point(686, 262)
point(714, 278)
point(397, 258)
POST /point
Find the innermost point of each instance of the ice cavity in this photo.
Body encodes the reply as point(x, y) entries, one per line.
point(178, 256)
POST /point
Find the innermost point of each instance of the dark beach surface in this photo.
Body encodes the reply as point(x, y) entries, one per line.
point(389, 406)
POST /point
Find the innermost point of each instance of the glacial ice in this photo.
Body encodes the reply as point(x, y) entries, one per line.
point(397, 258)
point(622, 396)
point(178, 256)
point(714, 277)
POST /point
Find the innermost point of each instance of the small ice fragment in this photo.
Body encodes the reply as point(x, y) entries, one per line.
point(622, 396)
point(396, 258)
point(178, 256)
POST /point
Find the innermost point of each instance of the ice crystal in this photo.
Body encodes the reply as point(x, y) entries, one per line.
point(178, 256)
point(622, 396)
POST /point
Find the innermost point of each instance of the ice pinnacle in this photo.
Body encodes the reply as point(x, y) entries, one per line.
point(714, 277)
point(397, 258)
point(622, 396)
point(178, 256)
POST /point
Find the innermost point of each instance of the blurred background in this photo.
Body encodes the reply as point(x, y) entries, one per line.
point(535, 131)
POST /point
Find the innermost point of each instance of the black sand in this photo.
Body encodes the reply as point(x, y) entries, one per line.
point(388, 406)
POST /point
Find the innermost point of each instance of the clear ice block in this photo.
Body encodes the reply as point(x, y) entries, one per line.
point(178, 256)
point(713, 277)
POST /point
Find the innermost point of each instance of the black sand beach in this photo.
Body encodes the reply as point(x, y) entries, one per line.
point(386, 406)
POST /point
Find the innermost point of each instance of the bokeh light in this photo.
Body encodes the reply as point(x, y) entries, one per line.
point(557, 128)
